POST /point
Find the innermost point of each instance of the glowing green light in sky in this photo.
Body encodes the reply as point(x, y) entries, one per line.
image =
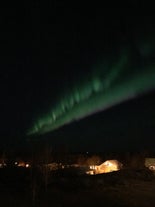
point(104, 87)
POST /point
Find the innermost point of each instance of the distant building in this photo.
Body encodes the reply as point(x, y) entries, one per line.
point(150, 163)
point(106, 167)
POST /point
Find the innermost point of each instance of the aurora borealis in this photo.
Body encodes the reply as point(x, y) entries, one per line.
point(63, 66)
point(108, 83)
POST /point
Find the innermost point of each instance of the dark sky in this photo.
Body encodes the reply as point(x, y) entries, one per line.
point(127, 126)
point(45, 48)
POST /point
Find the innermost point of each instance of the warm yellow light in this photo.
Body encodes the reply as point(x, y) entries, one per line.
point(27, 165)
point(106, 167)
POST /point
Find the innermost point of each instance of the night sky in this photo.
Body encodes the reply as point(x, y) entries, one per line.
point(46, 50)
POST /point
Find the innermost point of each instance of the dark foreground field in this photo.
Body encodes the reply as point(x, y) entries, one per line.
point(18, 188)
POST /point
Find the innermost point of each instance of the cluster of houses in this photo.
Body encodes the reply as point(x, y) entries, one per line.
point(92, 169)
point(105, 167)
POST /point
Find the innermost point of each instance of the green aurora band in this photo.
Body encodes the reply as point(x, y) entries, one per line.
point(108, 84)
